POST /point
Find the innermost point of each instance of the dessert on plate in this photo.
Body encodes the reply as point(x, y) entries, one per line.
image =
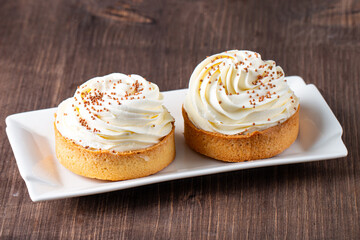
point(114, 128)
point(239, 108)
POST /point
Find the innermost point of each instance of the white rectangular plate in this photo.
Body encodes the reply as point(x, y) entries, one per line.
point(31, 136)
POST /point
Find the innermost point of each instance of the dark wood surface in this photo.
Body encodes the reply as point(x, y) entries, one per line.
point(47, 48)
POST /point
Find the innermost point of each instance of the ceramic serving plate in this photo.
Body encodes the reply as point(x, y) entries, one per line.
point(31, 136)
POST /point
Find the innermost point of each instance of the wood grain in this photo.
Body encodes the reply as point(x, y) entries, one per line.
point(47, 48)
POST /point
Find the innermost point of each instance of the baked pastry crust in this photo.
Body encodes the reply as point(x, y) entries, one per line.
point(114, 166)
point(238, 148)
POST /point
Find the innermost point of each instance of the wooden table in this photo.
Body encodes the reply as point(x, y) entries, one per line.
point(47, 48)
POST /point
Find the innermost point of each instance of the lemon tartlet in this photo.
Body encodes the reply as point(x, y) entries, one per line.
point(115, 128)
point(239, 108)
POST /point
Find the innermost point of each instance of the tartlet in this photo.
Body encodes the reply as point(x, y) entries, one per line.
point(239, 108)
point(114, 128)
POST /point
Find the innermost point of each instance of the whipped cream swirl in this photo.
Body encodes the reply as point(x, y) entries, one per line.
point(235, 92)
point(115, 112)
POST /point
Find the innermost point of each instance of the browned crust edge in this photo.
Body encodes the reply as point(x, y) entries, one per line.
point(239, 148)
point(107, 165)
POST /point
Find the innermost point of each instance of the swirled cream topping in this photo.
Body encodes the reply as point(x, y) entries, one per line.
point(116, 112)
point(235, 92)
